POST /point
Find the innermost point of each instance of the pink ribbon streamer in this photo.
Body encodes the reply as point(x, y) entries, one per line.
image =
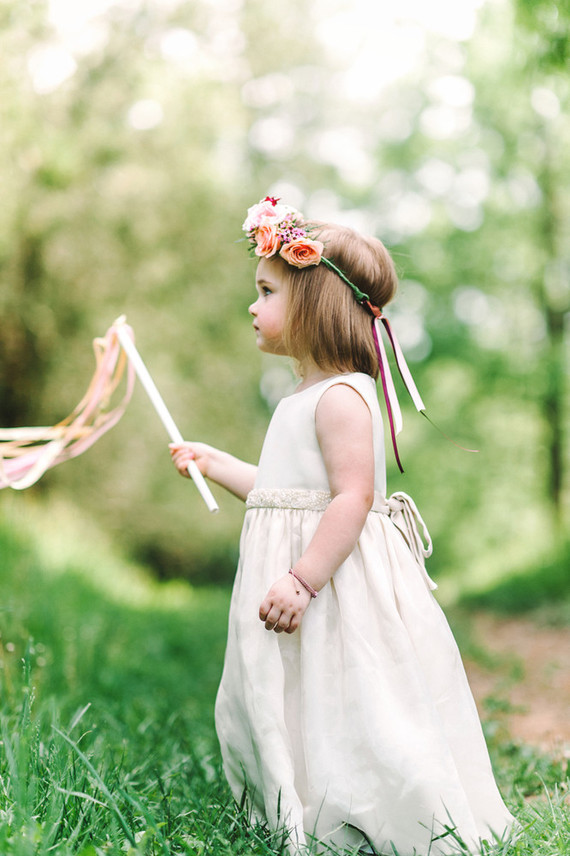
point(27, 453)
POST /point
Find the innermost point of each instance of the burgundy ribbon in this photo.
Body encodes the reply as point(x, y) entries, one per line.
point(383, 376)
point(390, 396)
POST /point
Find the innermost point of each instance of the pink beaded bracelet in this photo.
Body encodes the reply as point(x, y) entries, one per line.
point(304, 583)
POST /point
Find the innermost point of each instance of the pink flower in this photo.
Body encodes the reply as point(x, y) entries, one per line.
point(266, 210)
point(257, 214)
point(302, 252)
point(267, 240)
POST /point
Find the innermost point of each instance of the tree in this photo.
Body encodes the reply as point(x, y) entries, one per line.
point(127, 180)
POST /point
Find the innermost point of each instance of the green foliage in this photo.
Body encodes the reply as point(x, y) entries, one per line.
point(548, 25)
point(124, 187)
point(108, 677)
point(106, 715)
point(104, 216)
point(545, 584)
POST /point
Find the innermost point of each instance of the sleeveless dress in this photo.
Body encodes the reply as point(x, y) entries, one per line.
point(360, 728)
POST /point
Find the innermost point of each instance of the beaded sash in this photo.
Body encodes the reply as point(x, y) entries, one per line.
point(400, 508)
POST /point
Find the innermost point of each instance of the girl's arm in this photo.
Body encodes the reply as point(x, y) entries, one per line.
point(344, 431)
point(235, 475)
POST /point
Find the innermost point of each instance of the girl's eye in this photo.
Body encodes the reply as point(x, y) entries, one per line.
point(265, 291)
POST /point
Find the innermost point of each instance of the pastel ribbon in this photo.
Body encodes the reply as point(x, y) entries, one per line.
point(26, 453)
point(135, 359)
point(392, 403)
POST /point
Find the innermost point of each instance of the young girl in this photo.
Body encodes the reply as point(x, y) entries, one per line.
point(343, 710)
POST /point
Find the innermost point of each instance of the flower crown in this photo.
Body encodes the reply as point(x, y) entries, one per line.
point(273, 227)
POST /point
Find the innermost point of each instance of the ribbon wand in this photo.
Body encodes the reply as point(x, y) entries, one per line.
point(142, 372)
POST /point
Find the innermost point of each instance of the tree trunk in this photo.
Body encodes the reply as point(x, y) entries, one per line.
point(554, 306)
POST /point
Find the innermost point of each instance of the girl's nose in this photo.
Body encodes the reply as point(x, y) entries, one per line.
point(252, 309)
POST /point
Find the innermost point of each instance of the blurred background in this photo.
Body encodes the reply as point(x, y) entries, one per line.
point(134, 135)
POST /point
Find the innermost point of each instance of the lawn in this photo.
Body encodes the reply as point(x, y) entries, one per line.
point(108, 681)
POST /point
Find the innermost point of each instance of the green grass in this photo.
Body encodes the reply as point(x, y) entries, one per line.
point(108, 681)
point(545, 586)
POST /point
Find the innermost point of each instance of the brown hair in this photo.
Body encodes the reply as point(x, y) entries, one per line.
point(324, 322)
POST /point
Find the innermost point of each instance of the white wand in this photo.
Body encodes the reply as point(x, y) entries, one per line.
point(142, 372)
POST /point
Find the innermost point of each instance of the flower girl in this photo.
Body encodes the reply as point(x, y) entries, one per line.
point(344, 711)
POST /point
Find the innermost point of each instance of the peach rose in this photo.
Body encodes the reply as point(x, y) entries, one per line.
point(267, 240)
point(302, 252)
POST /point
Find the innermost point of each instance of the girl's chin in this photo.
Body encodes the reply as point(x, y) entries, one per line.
point(269, 347)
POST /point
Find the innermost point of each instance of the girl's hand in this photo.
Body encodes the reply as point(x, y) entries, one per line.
point(284, 605)
point(235, 475)
point(182, 453)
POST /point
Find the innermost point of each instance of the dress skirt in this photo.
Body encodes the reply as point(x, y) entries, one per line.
point(360, 727)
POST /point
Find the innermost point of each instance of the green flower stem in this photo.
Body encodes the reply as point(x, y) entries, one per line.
point(360, 295)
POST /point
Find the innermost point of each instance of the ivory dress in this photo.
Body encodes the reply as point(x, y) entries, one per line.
point(360, 727)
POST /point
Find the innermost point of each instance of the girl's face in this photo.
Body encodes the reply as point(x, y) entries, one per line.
point(269, 310)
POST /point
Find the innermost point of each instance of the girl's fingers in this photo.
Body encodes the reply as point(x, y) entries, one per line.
point(295, 622)
point(269, 610)
point(271, 620)
point(283, 607)
point(282, 617)
point(178, 449)
point(282, 623)
point(272, 617)
point(286, 625)
point(181, 455)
